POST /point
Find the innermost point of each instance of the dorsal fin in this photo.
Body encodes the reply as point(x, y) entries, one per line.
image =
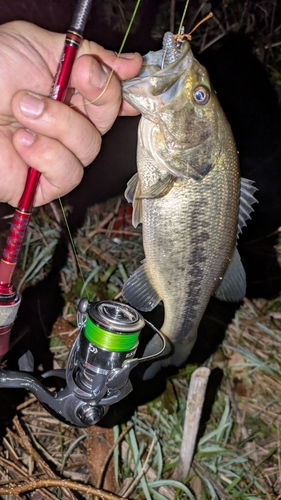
point(247, 199)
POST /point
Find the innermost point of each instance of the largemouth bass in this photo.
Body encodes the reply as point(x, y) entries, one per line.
point(189, 196)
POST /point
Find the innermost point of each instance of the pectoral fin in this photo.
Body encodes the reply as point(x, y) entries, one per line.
point(139, 292)
point(131, 188)
point(247, 199)
point(233, 285)
point(131, 194)
point(159, 189)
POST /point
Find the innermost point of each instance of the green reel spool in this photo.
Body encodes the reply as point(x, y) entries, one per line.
point(111, 341)
point(113, 326)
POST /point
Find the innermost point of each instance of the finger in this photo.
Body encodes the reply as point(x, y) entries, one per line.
point(60, 168)
point(53, 119)
point(99, 92)
point(13, 172)
point(127, 110)
point(103, 96)
point(125, 66)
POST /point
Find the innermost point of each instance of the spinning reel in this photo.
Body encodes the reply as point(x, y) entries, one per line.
point(98, 368)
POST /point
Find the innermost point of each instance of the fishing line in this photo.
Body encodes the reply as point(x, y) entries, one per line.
point(118, 55)
point(183, 16)
point(73, 247)
point(182, 36)
point(85, 104)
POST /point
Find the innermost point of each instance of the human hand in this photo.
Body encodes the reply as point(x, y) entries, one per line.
point(55, 139)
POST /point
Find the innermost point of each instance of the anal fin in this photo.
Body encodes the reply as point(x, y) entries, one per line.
point(139, 292)
point(233, 285)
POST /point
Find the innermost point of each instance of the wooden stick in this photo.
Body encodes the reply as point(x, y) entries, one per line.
point(60, 483)
point(195, 400)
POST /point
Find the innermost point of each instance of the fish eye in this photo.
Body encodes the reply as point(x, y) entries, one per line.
point(201, 95)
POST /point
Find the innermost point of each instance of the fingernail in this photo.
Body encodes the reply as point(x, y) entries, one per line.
point(25, 137)
point(98, 75)
point(31, 106)
point(128, 55)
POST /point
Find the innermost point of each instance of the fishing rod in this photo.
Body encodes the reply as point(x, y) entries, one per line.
point(9, 299)
point(102, 357)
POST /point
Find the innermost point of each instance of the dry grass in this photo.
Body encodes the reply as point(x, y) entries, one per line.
point(239, 454)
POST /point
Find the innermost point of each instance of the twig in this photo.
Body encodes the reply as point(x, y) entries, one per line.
point(218, 37)
point(143, 470)
point(103, 223)
point(11, 465)
point(167, 491)
point(36, 457)
point(108, 456)
point(59, 483)
point(45, 453)
point(125, 232)
point(196, 394)
point(56, 213)
point(192, 20)
point(222, 494)
point(241, 427)
point(11, 452)
point(26, 403)
point(220, 25)
point(102, 254)
point(22, 475)
point(276, 44)
point(52, 481)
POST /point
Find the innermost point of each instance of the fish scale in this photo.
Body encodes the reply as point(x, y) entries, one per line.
point(184, 266)
point(186, 194)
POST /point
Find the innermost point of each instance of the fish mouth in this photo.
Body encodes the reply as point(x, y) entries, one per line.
point(156, 80)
